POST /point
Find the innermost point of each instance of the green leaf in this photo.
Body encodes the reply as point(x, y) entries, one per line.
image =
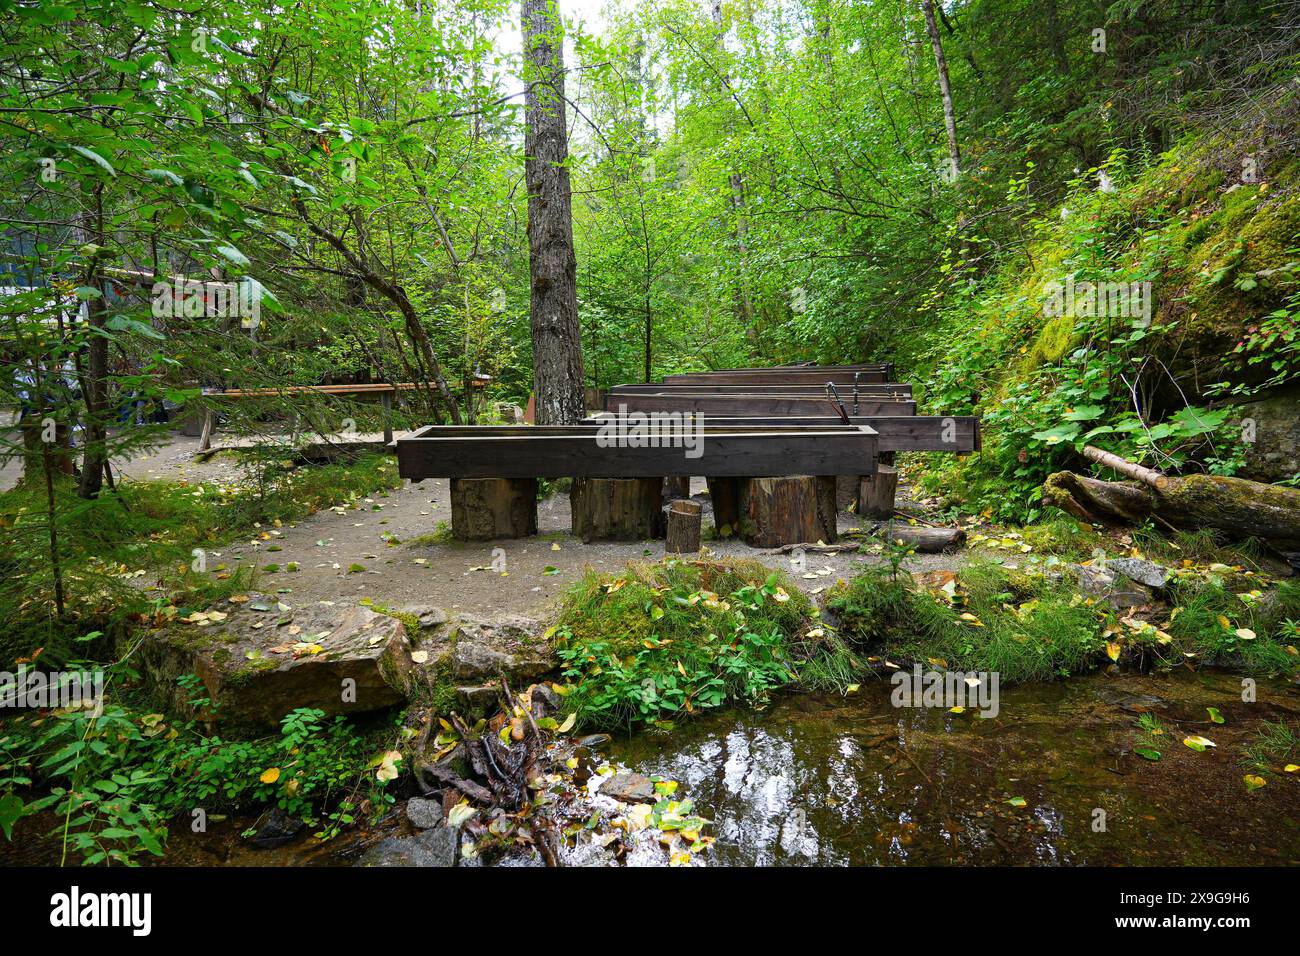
point(95, 158)
point(11, 809)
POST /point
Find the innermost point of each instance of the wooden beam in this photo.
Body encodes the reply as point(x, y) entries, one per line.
point(958, 434)
point(580, 454)
point(752, 405)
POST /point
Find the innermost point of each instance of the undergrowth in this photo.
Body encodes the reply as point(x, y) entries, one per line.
point(659, 641)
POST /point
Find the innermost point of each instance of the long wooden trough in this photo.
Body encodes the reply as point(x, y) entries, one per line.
point(598, 451)
point(784, 377)
point(779, 453)
point(776, 482)
point(881, 390)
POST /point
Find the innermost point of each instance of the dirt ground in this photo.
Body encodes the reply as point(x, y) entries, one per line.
point(457, 576)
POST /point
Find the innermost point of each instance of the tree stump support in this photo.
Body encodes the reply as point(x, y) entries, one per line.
point(486, 508)
point(791, 510)
point(876, 493)
point(617, 509)
point(684, 520)
point(724, 494)
point(677, 488)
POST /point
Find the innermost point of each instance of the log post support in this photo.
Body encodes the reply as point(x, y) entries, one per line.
point(617, 509)
point(684, 519)
point(724, 493)
point(677, 488)
point(876, 493)
point(846, 492)
point(793, 510)
point(486, 508)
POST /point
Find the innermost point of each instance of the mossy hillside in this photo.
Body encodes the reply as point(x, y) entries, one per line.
point(1219, 253)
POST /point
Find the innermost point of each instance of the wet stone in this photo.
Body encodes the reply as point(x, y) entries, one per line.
point(629, 786)
point(432, 848)
point(424, 813)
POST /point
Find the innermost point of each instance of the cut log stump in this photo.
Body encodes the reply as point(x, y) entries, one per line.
point(876, 493)
point(793, 510)
point(724, 494)
point(684, 519)
point(617, 509)
point(487, 508)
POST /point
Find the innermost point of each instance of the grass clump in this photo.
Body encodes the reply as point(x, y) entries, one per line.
point(659, 641)
point(985, 619)
point(1249, 630)
point(1276, 747)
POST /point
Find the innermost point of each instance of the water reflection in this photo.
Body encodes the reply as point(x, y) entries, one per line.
point(834, 781)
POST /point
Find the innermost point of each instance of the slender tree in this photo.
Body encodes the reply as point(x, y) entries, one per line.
point(945, 88)
point(553, 267)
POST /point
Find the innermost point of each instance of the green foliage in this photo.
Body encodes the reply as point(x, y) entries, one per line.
point(116, 779)
point(663, 640)
point(149, 530)
point(1022, 629)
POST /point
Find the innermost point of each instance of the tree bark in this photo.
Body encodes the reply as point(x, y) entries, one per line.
point(1196, 501)
point(486, 508)
point(684, 519)
point(945, 89)
point(792, 510)
point(617, 509)
point(557, 334)
point(876, 493)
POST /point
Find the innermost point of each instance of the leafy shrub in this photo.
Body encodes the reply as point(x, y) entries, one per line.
point(661, 640)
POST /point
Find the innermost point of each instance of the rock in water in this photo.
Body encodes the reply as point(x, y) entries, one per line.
point(275, 828)
point(424, 813)
point(437, 847)
point(259, 659)
point(628, 786)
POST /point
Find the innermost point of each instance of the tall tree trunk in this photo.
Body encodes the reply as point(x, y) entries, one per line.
point(557, 334)
point(945, 89)
point(95, 384)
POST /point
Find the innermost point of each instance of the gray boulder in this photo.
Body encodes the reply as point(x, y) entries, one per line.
point(1103, 585)
point(438, 847)
point(1146, 573)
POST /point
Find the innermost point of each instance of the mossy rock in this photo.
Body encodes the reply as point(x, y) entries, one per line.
point(265, 662)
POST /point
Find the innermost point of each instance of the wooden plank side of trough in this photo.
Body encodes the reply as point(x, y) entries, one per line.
point(753, 405)
point(897, 432)
point(796, 377)
point(810, 389)
point(759, 454)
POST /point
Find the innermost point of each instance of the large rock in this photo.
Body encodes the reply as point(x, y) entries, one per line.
point(1146, 573)
point(509, 646)
point(1270, 432)
point(436, 847)
point(259, 659)
point(1117, 590)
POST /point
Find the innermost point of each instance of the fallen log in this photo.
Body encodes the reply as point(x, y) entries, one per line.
point(1235, 505)
point(924, 540)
